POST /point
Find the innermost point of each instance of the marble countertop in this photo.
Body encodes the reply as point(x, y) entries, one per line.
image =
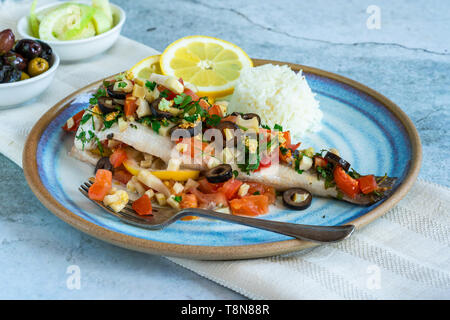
point(405, 55)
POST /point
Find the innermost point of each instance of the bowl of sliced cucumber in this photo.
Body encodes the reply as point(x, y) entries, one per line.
point(75, 30)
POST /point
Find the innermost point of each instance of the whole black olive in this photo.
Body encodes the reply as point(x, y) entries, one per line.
point(297, 198)
point(6, 41)
point(3, 71)
point(15, 59)
point(336, 160)
point(28, 48)
point(47, 51)
point(221, 173)
point(10, 74)
point(104, 163)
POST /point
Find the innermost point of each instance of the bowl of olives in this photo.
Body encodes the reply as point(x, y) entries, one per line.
point(27, 67)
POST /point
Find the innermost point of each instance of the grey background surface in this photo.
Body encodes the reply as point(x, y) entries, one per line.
point(407, 60)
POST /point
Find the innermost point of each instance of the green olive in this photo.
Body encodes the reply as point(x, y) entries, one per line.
point(37, 66)
point(24, 76)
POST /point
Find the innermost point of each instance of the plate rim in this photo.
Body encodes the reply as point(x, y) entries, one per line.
point(201, 252)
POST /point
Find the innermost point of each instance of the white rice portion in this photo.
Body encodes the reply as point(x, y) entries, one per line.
point(279, 96)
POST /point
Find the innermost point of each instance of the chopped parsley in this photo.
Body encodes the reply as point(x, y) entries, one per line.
point(214, 120)
point(326, 173)
point(101, 92)
point(85, 118)
point(251, 161)
point(177, 198)
point(122, 84)
point(150, 85)
point(278, 127)
point(164, 94)
point(182, 100)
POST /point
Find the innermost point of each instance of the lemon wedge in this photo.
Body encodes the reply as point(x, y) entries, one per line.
point(212, 65)
point(180, 175)
point(144, 68)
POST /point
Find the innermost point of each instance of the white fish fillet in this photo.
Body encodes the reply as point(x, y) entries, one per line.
point(279, 176)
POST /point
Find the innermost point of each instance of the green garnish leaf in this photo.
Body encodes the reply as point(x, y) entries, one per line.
point(164, 94)
point(156, 125)
point(150, 85)
point(278, 127)
point(177, 198)
point(85, 117)
point(214, 120)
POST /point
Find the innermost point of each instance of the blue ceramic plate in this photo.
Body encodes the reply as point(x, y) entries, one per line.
point(373, 134)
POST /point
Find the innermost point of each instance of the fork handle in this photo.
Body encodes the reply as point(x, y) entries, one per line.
point(322, 234)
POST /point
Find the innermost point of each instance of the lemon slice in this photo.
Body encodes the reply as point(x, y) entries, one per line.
point(144, 68)
point(180, 175)
point(211, 64)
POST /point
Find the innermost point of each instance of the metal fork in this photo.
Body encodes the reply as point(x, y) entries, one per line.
point(163, 217)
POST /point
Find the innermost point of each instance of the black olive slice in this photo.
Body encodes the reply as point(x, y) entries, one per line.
point(248, 116)
point(289, 198)
point(227, 125)
point(115, 94)
point(106, 105)
point(336, 160)
point(103, 163)
point(158, 113)
point(192, 131)
point(221, 173)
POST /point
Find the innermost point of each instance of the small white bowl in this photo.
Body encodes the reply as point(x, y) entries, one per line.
point(15, 93)
point(73, 50)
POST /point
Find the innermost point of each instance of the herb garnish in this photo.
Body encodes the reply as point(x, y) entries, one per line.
point(101, 92)
point(150, 85)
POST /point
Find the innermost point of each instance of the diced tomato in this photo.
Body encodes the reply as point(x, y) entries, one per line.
point(181, 81)
point(204, 104)
point(367, 184)
point(345, 183)
point(250, 205)
point(118, 157)
point(320, 162)
point(188, 201)
point(208, 187)
point(191, 93)
point(259, 188)
point(101, 186)
point(143, 206)
point(265, 162)
point(195, 147)
point(76, 122)
point(230, 188)
point(206, 200)
point(170, 94)
point(287, 138)
point(294, 146)
point(215, 110)
point(130, 105)
point(122, 176)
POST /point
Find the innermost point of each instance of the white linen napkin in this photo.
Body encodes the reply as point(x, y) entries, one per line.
point(403, 255)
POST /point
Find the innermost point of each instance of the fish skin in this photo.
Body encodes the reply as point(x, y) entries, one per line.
point(279, 176)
